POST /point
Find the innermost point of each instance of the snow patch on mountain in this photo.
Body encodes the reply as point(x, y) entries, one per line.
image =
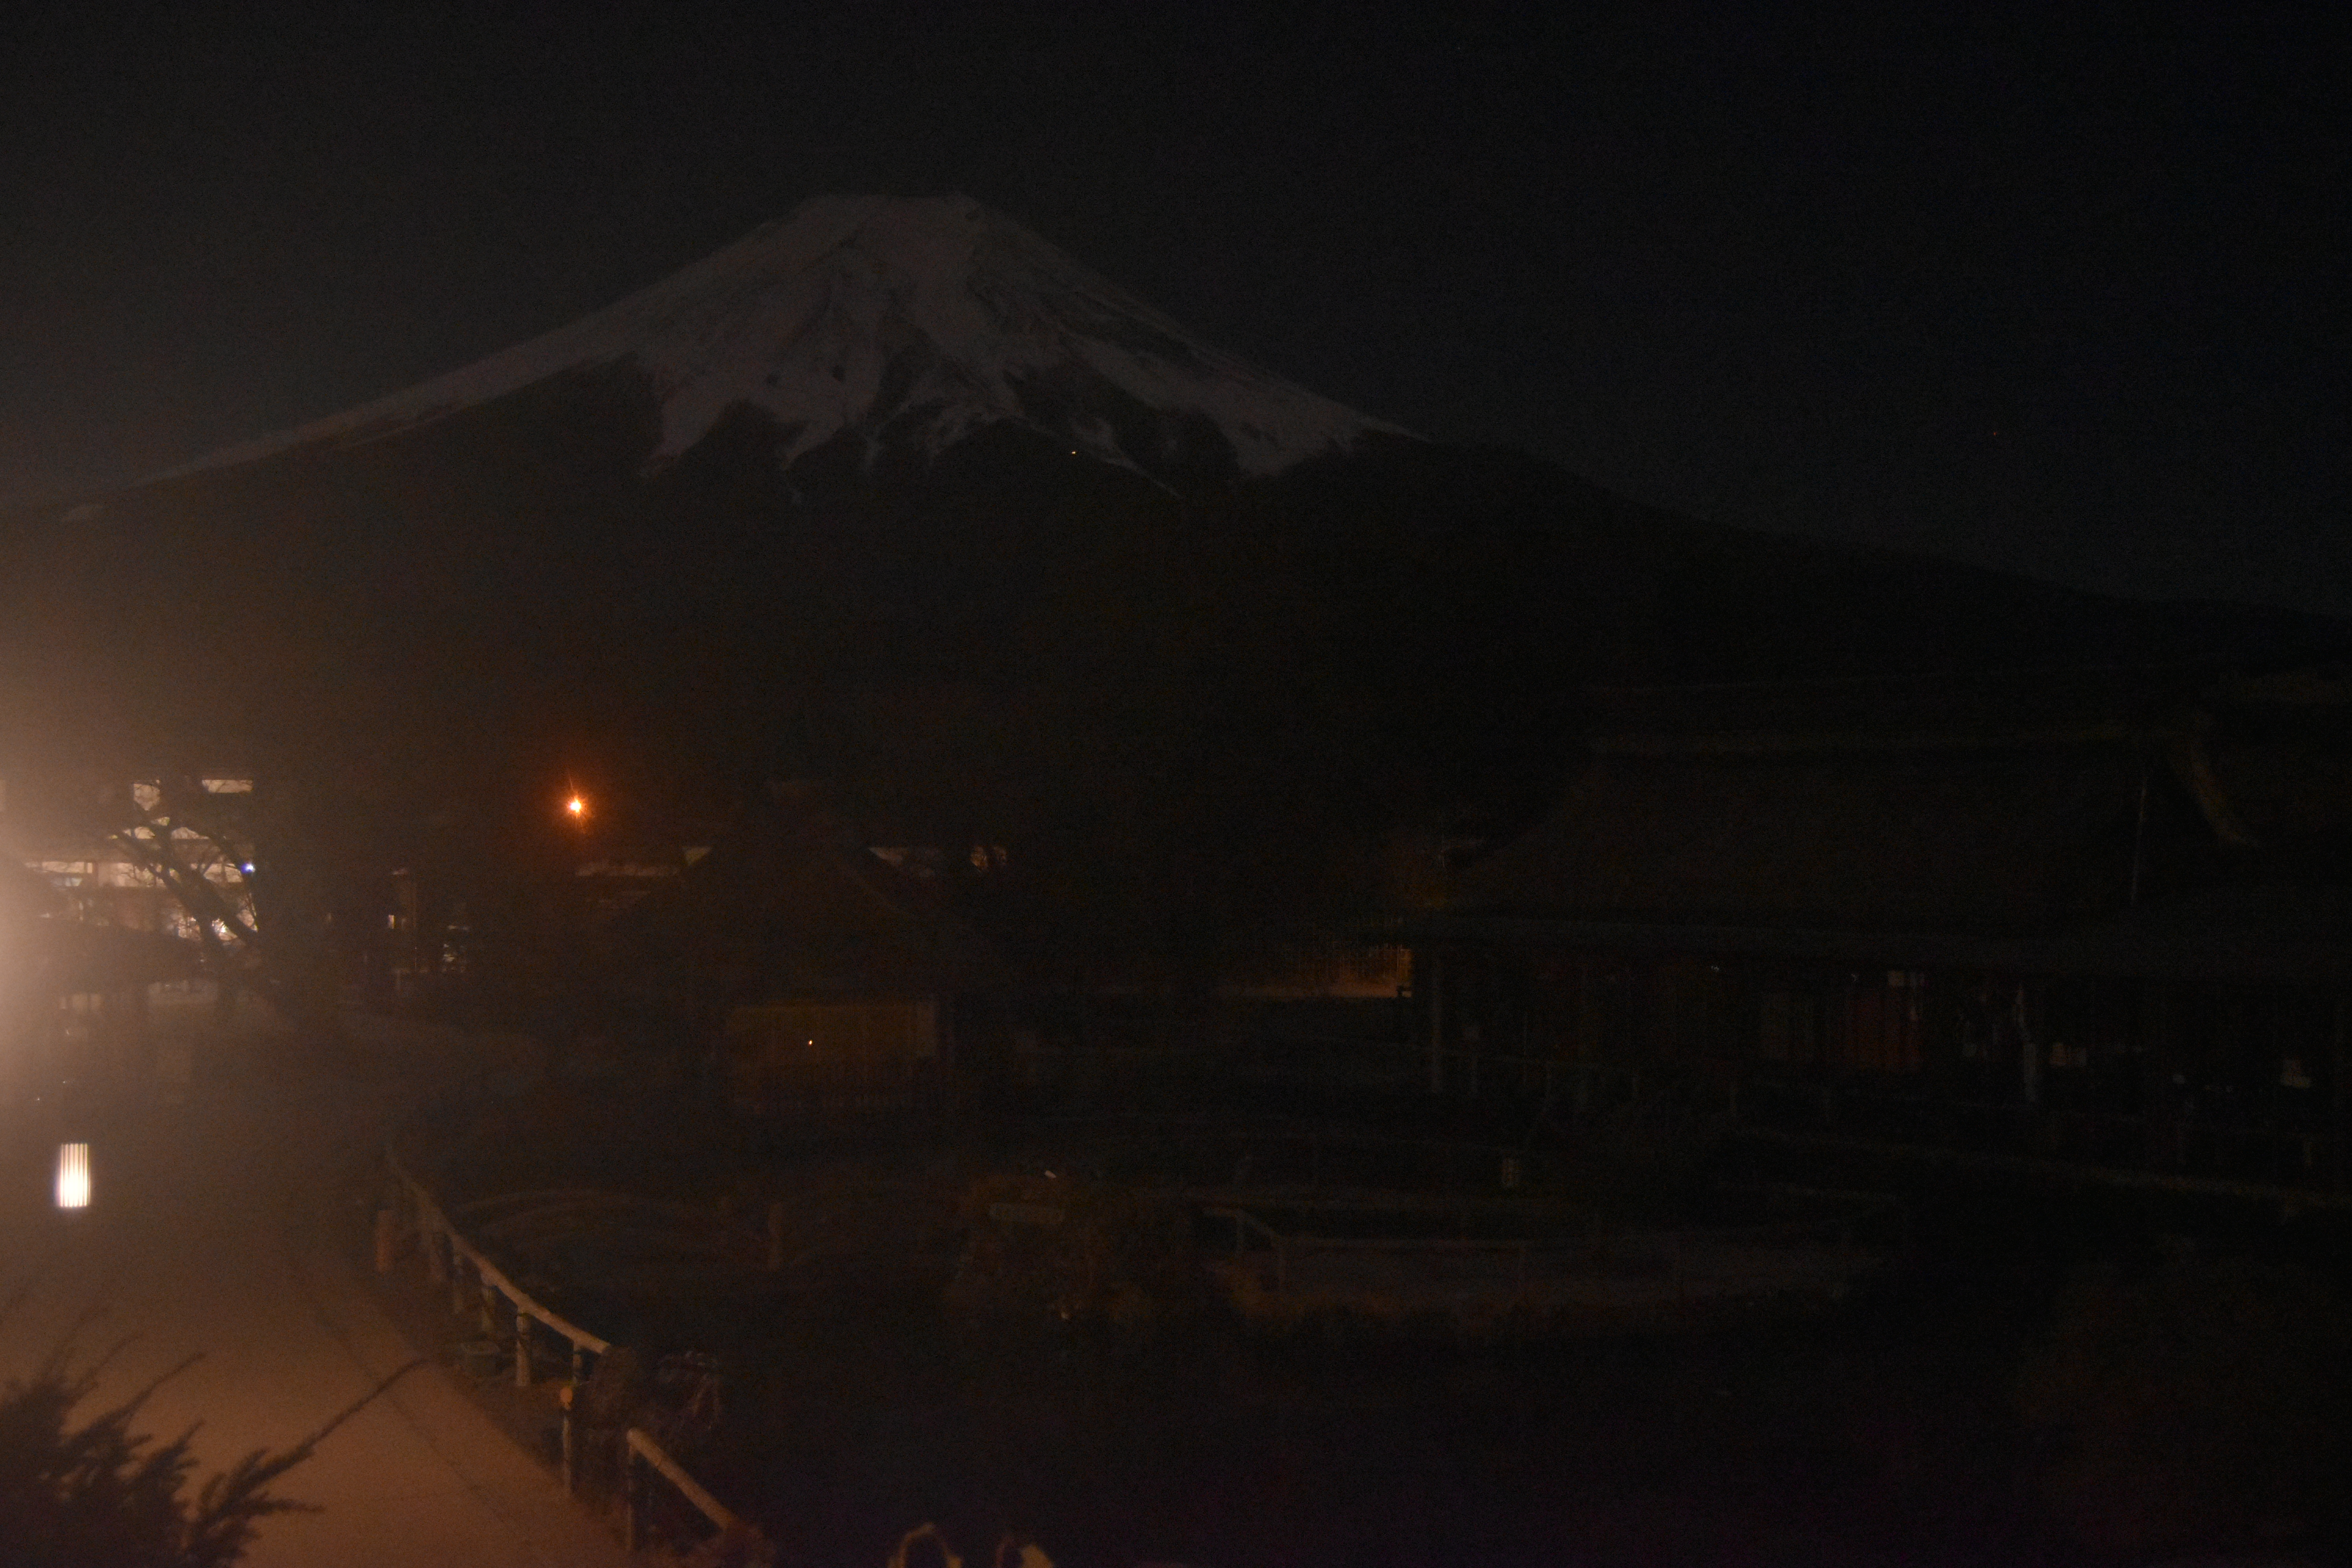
point(906, 324)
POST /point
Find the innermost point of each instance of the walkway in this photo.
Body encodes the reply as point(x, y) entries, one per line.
point(209, 1232)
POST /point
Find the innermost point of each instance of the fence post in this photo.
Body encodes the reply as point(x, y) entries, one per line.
point(567, 1397)
point(456, 1278)
point(522, 1347)
point(2341, 1102)
point(437, 1254)
point(1436, 1023)
point(628, 1493)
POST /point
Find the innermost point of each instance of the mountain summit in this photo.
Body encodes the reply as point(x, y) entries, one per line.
point(900, 326)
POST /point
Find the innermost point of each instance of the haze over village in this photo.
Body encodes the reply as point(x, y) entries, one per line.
point(824, 881)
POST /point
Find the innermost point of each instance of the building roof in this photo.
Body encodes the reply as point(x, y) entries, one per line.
point(2261, 932)
point(1980, 842)
point(795, 904)
point(2123, 822)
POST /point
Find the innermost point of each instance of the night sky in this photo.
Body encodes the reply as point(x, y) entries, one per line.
point(2052, 289)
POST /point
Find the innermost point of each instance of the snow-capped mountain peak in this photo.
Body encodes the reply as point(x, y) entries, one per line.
point(908, 323)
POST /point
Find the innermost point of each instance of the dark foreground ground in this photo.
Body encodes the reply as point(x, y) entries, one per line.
point(2044, 1378)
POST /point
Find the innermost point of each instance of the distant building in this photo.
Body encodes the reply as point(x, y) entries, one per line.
point(127, 853)
point(115, 889)
point(2106, 913)
point(75, 994)
point(825, 972)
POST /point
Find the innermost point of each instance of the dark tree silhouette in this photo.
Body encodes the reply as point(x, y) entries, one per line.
point(94, 1492)
point(180, 834)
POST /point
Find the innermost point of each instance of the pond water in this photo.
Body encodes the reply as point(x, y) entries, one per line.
point(2043, 1379)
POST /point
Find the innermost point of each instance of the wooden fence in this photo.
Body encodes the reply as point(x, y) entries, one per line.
point(498, 1301)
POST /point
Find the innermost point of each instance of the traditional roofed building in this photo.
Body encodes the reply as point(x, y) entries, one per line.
point(827, 972)
point(2118, 899)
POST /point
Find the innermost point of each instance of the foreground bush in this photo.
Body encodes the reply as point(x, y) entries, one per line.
point(94, 1492)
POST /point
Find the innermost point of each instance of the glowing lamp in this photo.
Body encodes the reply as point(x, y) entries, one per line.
point(73, 1175)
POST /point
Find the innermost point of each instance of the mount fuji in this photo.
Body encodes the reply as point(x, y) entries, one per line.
point(894, 494)
point(899, 327)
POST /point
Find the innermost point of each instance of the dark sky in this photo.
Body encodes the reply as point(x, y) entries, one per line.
point(2050, 287)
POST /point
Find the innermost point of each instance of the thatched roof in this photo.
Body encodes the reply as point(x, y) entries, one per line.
point(1986, 842)
point(795, 904)
point(2119, 822)
point(2263, 933)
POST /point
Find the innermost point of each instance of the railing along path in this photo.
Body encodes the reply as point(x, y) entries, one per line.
point(447, 1255)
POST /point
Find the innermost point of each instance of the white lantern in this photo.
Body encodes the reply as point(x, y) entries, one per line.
point(73, 1175)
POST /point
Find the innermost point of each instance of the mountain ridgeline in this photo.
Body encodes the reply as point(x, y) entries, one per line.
point(894, 497)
